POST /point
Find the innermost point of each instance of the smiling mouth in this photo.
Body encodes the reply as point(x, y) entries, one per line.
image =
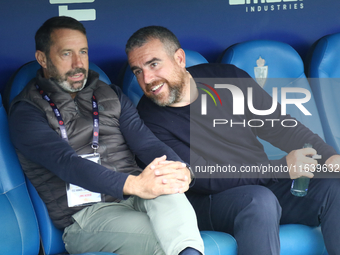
point(77, 76)
point(154, 89)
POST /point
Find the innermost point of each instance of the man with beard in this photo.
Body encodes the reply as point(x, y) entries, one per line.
point(248, 206)
point(76, 138)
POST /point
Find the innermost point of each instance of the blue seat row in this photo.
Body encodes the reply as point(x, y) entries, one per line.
point(23, 223)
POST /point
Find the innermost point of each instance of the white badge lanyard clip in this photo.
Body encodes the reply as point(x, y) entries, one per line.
point(78, 196)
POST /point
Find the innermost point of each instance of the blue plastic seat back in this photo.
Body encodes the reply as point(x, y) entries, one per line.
point(50, 235)
point(19, 233)
point(131, 87)
point(324, 74)
point(279, 66)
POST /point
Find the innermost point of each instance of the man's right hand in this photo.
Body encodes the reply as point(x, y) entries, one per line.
point(160, 177)
point(297, 160)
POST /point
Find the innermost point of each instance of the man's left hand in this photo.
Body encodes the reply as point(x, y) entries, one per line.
point(181, 174)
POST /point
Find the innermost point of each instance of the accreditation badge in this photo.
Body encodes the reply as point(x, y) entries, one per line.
point(78, 196)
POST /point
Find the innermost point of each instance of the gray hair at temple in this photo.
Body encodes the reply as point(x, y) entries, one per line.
point(146, 34)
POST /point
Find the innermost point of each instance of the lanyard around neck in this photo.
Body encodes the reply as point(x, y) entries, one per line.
point(95, 114)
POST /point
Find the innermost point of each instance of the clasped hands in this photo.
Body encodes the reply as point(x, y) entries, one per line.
point(160, 177)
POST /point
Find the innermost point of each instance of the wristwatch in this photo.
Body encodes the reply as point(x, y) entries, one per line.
point(192, 175)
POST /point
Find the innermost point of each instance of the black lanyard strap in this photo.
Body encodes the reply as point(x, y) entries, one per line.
point(95, 114)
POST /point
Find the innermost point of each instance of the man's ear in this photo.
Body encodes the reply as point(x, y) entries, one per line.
point(41, 58)
point(180, 57)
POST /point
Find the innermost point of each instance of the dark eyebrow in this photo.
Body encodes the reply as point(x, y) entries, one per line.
point(85, 48)
point(152, 60)
point(133, 68)
point(145, 64)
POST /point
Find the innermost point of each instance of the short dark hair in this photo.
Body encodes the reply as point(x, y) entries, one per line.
point(145, 34)
point(43, 40)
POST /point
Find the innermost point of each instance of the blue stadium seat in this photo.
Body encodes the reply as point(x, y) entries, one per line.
point(299, 239)
point(19, 227)
point(284, 68)
point(295, 239)
point(19, 233)
point(50, 235)
point(323, 71)
point(132, 89)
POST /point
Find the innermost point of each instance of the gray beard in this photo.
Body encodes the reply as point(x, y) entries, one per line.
point(59, 80)
point(66, 86)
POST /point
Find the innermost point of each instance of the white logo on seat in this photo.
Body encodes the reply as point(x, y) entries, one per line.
point(261, 72)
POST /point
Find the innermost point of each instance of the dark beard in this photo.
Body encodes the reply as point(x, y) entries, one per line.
point(175, 92)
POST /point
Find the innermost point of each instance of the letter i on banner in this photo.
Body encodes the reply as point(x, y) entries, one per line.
point(79, 14)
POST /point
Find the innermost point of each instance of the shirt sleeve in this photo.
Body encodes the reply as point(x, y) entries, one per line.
point(207, 185)
point(35, 140)
point(176, 135)
point(141, 141)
